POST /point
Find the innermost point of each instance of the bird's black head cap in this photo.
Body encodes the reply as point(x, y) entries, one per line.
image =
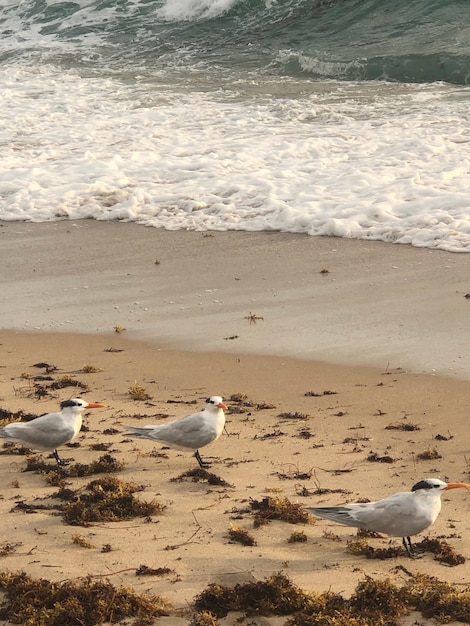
point(71, 402)
point(428, 484)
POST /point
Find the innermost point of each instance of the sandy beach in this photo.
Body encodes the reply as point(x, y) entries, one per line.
point(342, 363)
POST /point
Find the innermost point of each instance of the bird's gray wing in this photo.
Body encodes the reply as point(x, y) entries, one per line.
point(339, 514)
point(395, 515)
point(187, 433)
point(41, 434)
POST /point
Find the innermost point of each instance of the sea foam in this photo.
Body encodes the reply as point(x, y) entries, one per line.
point(360, 160)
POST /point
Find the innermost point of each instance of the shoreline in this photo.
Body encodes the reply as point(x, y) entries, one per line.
point(340, 301)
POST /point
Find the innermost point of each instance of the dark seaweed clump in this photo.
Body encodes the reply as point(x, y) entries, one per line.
point(199, 474)
point(443, 552)
point(144, 570)
point(362, 548)
point(238, 535)
point(374, 602)
point(274, 596)
point(429, 455)
point(106, 500)
point(40, 602)
point(106, 464)
point(377, 458)
point(14, 449)
point(282, 509)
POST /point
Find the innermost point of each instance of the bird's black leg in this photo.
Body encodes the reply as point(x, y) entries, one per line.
point(202, 463)
point(409, 548)
point(60, 461)
point(406, 545)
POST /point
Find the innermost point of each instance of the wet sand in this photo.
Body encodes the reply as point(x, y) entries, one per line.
point(320, 298)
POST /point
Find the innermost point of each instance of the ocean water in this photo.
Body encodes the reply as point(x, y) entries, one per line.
point(348, 118)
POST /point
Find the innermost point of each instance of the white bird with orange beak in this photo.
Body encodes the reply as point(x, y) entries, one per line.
point(191, 432)
point(403, 514)
point(48, 432)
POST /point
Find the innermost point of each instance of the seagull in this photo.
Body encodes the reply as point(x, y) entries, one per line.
point(191, 432)
point(48, 432)
point(402, 515)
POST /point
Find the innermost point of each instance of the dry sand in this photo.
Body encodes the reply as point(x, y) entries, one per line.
point(365, 331)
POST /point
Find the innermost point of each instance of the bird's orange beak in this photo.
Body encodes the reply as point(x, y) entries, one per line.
point(456, 485)
point(95, 405)
point(221, 405)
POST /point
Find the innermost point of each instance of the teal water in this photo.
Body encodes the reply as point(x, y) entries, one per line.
point(421, 41)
